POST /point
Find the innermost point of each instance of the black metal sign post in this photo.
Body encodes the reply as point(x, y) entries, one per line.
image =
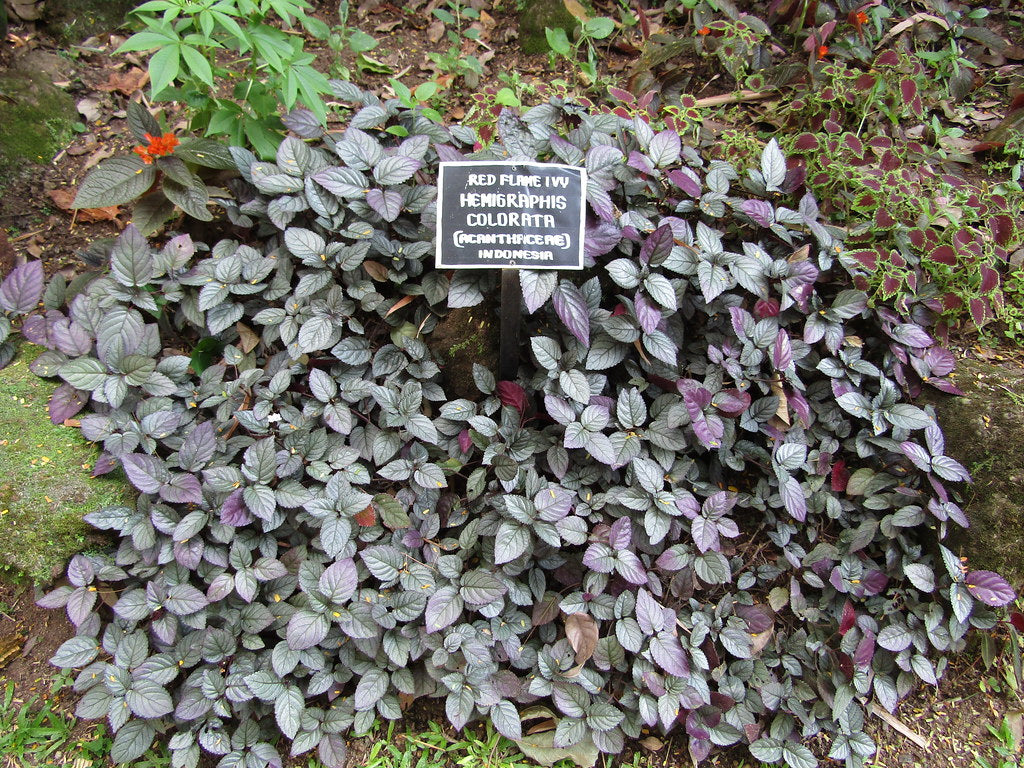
point(510, 215)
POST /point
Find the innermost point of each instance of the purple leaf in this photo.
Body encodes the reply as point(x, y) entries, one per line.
point(647, 314)
point(339, 581)
point(628, 565)
point(147, 473)
point(104, 463)
point(572, 309)
point(687, 180)
point(990, 588)
point(940, 360)
point(443, 608)
point(665, 148)
point(306, 629)
point(234, 512)
point(640, 162)
point(865, 650)
point(387, 203)
point(395, 169)
point(303, 123)
point(793, 498)
point(668, 654)
point(600, 238)
point(917, 454)
point(758, 618)
point(620, 535)
point(22, 288)
point(36, 329)
point(761, 212)
point(649, 613)
point(911, 335)
point(782, 355)
point(65, 403)
point(182, 489)
point(874, 582)
point(731, 402)
point(705, 534)
point(657, 246)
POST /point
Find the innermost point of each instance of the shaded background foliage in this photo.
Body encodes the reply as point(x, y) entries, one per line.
point(704, 504)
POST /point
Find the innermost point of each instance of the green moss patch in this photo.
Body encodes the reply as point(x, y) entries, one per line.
point(36, 119)
point(45, 483)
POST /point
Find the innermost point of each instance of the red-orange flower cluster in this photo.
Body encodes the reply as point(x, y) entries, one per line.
point(704, 31)
point(822, 51)
point(158, 146)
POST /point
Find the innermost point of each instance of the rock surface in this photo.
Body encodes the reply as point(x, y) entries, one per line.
point(985, 432)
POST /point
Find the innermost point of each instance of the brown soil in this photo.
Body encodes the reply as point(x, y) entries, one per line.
point(33, 224)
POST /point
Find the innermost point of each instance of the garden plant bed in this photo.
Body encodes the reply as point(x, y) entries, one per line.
point(725, 116)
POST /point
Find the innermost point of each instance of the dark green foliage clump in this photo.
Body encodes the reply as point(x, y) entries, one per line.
point(703, 505)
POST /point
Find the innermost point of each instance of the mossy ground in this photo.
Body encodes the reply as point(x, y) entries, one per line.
point(36, 120)
point(985, 432)
point(538, 14)
point(45, 483)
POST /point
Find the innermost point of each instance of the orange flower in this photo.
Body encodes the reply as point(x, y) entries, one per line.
point(704, 31)
point(158, 146)
point(862, 18)
point(822, 52)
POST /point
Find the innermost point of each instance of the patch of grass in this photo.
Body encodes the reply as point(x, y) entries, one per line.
point(474, 747)
point(30, 734)
point(45, 483)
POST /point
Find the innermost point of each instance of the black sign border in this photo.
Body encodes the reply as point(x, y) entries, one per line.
point(438, 259)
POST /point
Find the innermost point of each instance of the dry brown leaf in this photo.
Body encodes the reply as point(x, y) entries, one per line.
point(89, 108)
point(376, 271)
point(576, 10)
point(388, 26)
point(542, 726)
point(399, 304)
point(652, 743)
point(581, 632)
point(126, 82)
point(100, 154)
point(62, 198)
point(760, 640)
point(907, 23)
point(248, 339)
point(782, 412)
point(435, 31)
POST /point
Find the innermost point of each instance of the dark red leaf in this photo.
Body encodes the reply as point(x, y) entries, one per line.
point(510, 393)
point(849, 618)
point(943, 255)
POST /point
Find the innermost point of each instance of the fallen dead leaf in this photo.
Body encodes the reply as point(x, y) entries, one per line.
point(64, 199)
point(435, 31)
point(388, 26)
point(247, 337)
point(89, 108)
point(100, 154)
point(376, 271)
point(126, 82)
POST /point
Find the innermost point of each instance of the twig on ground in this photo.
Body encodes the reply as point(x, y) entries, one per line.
point(899, 727)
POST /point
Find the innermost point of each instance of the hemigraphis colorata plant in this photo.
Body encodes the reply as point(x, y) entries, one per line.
point(704, 506)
